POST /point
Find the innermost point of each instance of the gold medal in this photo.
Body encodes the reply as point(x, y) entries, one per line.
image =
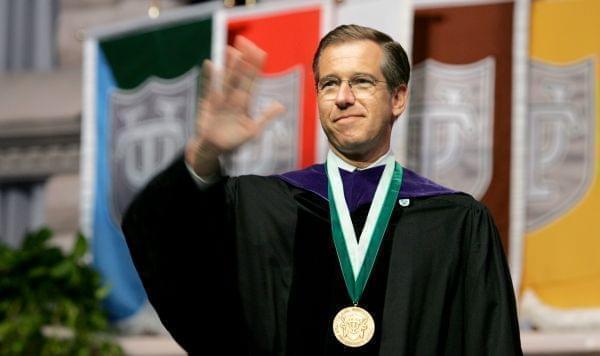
point(353, 326)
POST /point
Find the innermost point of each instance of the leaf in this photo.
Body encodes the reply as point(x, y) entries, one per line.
point(36, 239)
point(80, 248)
point(39, 286)
point(62, 269)
point(6, 257)
point(102, 292)
point(37, 272)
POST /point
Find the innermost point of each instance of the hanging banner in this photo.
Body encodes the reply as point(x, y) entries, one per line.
point(452, 113)
point(289, 32)
point(561, 270)
point(140, 82)
point(459, 130)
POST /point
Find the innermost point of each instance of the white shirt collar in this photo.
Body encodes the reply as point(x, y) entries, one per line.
point(350, 168)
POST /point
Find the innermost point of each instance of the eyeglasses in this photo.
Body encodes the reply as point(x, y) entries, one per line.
point(362, 87)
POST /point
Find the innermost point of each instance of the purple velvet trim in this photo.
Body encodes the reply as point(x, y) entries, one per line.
point(359, 186)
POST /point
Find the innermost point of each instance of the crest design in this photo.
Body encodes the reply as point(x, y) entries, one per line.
point(451, 124)
point(149, 126)
point(353, 326)
point(276, 149)
point(561, 126)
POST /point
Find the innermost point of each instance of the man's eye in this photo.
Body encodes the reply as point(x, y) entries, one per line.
point(328, 84)
point(362, 81)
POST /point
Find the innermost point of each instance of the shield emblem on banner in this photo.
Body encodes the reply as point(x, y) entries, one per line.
point(149, 127)
point(451, 124)
point(560, 139)
point(276, 149)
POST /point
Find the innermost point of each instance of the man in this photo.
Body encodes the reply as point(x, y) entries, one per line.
point(358, 256)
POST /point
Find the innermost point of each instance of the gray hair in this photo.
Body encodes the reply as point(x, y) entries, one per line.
point(395, 66)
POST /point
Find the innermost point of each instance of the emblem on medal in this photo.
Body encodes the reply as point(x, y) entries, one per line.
point(353, 326)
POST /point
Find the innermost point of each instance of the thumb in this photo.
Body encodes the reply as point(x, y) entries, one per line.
point(271, 112)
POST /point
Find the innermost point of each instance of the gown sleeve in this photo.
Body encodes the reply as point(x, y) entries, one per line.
point(182, 246)
point(491, 325)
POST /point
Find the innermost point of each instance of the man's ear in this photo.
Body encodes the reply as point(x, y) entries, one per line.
point(399, 100)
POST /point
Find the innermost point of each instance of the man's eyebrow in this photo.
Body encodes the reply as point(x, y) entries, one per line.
point(357, 74)
point(363, 74)
point(329, 76)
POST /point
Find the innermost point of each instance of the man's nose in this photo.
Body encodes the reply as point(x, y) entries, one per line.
point(344, 97)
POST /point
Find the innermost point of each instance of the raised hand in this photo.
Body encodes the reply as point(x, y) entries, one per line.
point(223, 122)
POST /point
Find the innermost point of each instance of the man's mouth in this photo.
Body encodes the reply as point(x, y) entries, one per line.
point(347, 116)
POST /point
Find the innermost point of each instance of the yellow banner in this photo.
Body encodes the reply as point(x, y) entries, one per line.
point(562, 245)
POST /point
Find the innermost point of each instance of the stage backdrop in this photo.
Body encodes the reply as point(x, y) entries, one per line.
point(141, 81)
point(561, 272)
point(460, 103)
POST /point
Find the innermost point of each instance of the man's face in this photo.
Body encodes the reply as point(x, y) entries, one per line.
point(357, 126)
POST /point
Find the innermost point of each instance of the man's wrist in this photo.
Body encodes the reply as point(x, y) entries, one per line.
point(203, 182)
point(202, 158)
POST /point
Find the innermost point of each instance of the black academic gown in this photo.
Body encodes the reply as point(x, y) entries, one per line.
point(248, 267)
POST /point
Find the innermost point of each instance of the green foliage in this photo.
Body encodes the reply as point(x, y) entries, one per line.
point(50, 302)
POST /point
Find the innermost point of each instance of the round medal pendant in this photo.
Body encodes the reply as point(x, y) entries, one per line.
point(353, 326)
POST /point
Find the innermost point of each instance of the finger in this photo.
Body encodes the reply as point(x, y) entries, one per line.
point(239, 85)
point(208, 92)
point(251, 52)
point(270, 113)
point(232, 54)
point(238, 80)
point(253, 60)
point(244, 63)
point(232, 70)
point(206, 78)
point(204, 96)
point(239, 97)
point(244, 93)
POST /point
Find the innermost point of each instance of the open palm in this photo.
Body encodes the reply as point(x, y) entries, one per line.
point(223, 122)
